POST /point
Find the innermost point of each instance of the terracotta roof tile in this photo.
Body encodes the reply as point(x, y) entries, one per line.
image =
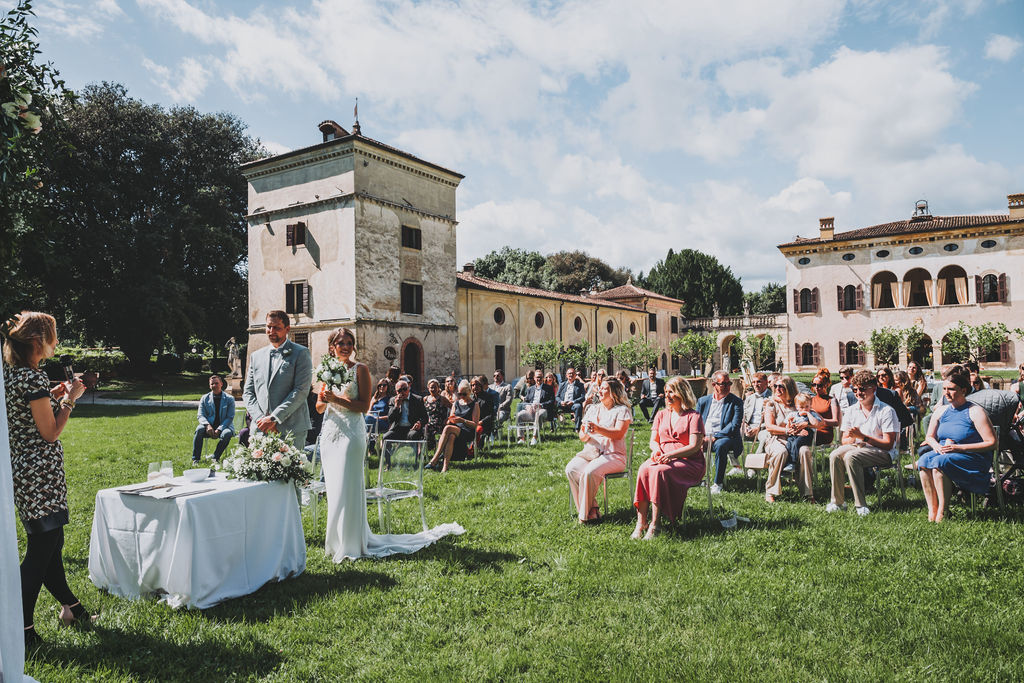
point(477, 282)
point(630, 290)
point(913, 225)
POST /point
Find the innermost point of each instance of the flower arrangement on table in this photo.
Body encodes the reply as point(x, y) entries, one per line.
point(333, 373)
point(269, 457)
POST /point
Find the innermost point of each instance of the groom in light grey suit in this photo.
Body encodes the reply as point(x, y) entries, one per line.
point(278, 381)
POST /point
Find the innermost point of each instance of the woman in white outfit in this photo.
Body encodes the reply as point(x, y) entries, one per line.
point(603, 433)
point(342, 449)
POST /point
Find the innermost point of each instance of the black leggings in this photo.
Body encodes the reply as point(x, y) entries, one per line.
point(44, 566)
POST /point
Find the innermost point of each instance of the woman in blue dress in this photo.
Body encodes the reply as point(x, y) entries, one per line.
point(961, 439)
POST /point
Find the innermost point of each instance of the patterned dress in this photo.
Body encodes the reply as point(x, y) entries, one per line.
point(437, 413)
point(40, 490)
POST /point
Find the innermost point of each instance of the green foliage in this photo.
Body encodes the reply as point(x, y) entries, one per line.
point(544, 354)
point(636, 352)
point(108, 363)
point(572, 272)
point(575, 356)
point(151, 203)
point(973, 342)
point(885, 344)
point(696, 348)
point(699, 280)
point(598, 356)
point(759, 350)
point(512, 266)
point(569, 272)
point(771, 299)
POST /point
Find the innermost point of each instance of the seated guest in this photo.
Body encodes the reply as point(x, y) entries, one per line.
point(917, 379)
point(437, 408)
point(570, 397)
point(377, 416)
point(459, 432)
point(393, 374)
point(1018, 388)
point(652, 394)
point(975, 370)
point(885, 378)
point(842, 391)
point(825, 407)
point(676, 463)
point(523, 384)
point(722, 413)
point(627, 383)
point(604, 447)
point(803, 418)
point(753, 414)
point(593, 389)
point(960, 441)
point(504, 391)
point(537, 404)
point(782, 421)
point(870, 430)
point(406, 415)
point(488, 405)
point(450, 393)
point(216, 419)
point(907, 394)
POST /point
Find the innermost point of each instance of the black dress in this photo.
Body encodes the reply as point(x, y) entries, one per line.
point(460, 451)
point(40, 490)
point(437, 412)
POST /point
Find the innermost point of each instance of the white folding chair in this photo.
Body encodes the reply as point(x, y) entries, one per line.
point(402, 480)
point(310, 494)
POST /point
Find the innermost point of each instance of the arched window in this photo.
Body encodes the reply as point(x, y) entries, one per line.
point(853, 354)
point(805, 300)
point(807, 354)
point(917, 288)
point(951, 287)
point(849, 298)
point(989, 289)
point(884, 290)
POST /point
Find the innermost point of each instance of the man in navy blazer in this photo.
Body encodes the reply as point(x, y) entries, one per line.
point(652, 395)
point(216, 419)
point(278, 380)
point(722, 412)
point(570, 396)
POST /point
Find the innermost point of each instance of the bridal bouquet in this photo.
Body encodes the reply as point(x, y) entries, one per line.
point(269, 457)
point(332, 372)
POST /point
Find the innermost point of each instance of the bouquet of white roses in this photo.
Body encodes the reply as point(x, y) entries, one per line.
point(332, 372)
point(269, 457)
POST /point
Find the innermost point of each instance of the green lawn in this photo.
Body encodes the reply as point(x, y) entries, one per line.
point(796, 594)
point(188, 386)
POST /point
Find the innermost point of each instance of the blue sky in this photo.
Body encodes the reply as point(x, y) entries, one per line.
point(619, 128)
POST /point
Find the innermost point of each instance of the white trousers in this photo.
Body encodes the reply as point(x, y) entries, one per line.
point(585, 472)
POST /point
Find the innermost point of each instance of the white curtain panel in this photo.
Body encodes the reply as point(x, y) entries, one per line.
point(12, 640)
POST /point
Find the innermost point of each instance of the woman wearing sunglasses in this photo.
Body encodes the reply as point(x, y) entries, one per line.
point(782, 421)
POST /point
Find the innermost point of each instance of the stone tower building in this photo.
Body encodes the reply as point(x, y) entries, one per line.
point(352, 232)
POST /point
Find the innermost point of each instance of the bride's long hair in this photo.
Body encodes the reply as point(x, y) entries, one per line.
point(337, 335)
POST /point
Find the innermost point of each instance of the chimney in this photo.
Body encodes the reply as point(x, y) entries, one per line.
point(468, 268)
point(1016, 202)
point(331, 130)
point(827, 228)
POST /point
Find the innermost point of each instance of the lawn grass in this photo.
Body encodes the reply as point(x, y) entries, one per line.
point(187, 386)
point(796, 594)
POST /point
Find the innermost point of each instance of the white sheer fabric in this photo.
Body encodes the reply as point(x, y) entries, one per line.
point(342, 449)
point(12, 638)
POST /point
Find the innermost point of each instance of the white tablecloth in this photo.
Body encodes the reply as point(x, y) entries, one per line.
point(199, 549)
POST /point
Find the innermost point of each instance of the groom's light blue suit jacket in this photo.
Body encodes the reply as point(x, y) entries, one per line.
point(283, 394)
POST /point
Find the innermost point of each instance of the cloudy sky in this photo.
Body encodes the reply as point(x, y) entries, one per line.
point(619, 127)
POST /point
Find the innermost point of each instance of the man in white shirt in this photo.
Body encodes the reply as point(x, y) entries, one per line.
point(870, 429)
point(842, 391)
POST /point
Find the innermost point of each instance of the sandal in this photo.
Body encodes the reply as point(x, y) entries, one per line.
point(76, 615)
point(638, 532)
point(769, 498)
point(652, 531)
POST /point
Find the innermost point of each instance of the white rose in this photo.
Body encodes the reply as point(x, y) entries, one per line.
point(286, 461)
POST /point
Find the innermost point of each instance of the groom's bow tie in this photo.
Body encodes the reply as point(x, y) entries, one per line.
point(275, 352)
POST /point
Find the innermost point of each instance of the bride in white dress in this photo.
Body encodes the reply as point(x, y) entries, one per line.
point(342, 448)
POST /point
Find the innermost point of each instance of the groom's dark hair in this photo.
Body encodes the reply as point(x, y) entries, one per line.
point(281, 317)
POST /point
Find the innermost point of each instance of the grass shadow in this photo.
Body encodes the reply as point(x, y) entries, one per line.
point(144, 657)
point(463, 559)
point(281, 598)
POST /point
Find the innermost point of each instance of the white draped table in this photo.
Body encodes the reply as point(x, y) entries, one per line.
point(197, 549)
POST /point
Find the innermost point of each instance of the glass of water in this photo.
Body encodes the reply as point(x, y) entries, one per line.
point(154, 471)
point(167, 469)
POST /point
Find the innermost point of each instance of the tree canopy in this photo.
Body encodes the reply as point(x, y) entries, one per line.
point(568, 272)
point(771, 299)
point(699, 280)
point(148, 211)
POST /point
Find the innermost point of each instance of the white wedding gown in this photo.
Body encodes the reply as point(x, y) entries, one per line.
point(342, 448)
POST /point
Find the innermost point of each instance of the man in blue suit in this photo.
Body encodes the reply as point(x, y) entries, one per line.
point(216, 419)
point(570, 396)
point(278, 380)
point(537, 405)
point(722, 412)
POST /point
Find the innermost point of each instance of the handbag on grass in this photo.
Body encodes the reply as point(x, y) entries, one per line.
point(756, 461)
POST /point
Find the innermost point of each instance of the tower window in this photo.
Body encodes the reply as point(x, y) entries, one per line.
point(412, 238)
point(412, 298)
point(296, 297)
point(295, 234)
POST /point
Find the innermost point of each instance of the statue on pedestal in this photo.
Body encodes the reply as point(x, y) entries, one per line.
point(234, 366)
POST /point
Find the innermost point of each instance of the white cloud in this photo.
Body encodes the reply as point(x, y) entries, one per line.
point(78, 20)
point(1001, 48)
point(183, 84)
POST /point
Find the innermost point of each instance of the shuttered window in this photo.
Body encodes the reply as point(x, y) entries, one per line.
point(295, 234)
point(296, 297)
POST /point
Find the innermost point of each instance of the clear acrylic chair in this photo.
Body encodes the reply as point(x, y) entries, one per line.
point(311, 493)
point(401, 480)
point(896, 466)
point(627, 474)
point(709, 457)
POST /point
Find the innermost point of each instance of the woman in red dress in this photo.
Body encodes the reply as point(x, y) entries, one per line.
point(676, 462)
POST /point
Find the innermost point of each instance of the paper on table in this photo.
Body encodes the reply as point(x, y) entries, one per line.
point(175, 491)
point(144, 486)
